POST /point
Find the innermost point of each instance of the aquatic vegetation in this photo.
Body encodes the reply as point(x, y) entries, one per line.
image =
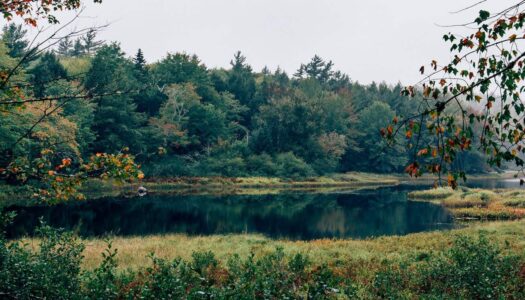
point(477, 204)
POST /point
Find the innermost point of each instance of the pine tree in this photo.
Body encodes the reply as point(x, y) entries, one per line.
point(266, 71)
point(78, 49)
point(317, 68)
point(242, 83)
point(90, 43)
point(117, 123)
point(46, 73)
point(14, 38)
point(65, 46)
point(139, 60)
point(140, 65)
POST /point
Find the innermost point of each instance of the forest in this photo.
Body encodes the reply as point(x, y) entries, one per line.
point(181, 118)
point(125, 178)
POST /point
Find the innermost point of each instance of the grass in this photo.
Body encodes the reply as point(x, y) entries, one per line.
point(241, 185)
point(477, 204)
point(133, 251)
point(438, 193)
point(347, 179)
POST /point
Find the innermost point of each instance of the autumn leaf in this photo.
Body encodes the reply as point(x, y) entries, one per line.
point(412, 169)
point(426, 91)
point(452, 181)
point(422, 152)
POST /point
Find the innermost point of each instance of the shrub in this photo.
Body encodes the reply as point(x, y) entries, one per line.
point(102, 282)
point(292, 166)
point(52, 272)
point(261, 165)
point(473, 269)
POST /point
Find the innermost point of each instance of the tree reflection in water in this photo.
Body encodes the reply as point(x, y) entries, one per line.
point(362, 214)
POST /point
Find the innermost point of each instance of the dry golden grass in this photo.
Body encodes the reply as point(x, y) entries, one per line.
point(133, 251)
point(432, 194)
point(477, 203)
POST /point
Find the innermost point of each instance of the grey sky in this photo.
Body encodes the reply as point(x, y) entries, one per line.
point(372, 40)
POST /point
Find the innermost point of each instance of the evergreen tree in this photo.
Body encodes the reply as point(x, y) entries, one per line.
point(116, 123)
point(266, 71)
point(14, 37)
point(47, 72)
point(241, 83)
point(150, 97)
point(317, 68)
point(139, 61)
point(65, 46)
point(89, 42)
point(78, 49)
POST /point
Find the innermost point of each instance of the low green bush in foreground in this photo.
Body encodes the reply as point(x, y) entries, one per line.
point(472, 268)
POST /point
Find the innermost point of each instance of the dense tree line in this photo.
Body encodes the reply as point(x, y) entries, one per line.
point(179, 117)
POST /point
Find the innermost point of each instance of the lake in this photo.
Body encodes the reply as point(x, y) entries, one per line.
point(293, 215)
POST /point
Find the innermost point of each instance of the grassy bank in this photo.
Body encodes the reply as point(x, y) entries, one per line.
point(243, 185)
point(477, 204)
point(134, 251)
point(480, 262)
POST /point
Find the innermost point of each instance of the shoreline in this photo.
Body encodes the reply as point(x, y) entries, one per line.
point(133, 251)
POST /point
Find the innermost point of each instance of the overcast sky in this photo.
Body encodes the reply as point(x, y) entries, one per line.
point(372, 40)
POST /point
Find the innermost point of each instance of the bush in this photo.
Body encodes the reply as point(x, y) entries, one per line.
point(261, 165)
point(52, 272)
point(474, 269)
point(168, 166)
point(220, 166)
point(291, 166)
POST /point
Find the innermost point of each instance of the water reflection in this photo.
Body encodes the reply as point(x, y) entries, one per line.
point(367, 213)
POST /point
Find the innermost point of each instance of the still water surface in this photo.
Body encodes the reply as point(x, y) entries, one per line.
point(305, 216)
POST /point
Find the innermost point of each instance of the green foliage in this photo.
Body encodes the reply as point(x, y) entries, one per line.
point(378, 156)
point(470, 269)
point(51, 272)
point(116, 122)
point(14, 37)
point(180, 118)
point(46, 74)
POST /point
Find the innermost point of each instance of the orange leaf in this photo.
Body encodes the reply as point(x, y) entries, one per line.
point(423, 151)
point(390, 129)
